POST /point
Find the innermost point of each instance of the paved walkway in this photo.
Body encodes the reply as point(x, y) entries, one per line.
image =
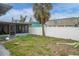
point(4, 51)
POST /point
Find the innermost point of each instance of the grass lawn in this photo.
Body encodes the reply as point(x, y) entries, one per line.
point(33, 45)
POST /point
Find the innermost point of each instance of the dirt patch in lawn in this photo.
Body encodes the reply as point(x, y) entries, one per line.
point(63, 50)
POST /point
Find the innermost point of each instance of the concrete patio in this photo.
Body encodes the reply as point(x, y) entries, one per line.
point(4, 51)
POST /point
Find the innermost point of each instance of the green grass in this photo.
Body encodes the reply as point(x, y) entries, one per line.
point(33, 45)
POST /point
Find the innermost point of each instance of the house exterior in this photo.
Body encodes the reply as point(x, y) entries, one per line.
point(13, 28)
point(65, 22)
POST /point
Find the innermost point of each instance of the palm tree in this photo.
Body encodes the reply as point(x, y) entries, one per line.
point(42, 13)
point(30, 22)
point(22, 19)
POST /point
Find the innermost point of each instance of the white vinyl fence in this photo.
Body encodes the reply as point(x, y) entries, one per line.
point(59, 32)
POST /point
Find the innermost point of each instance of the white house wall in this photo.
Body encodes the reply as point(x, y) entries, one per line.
point(59, 32)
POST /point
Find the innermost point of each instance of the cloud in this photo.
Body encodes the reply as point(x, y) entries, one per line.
point(64, 15)
point(61, 7)
point(60, 10)
point(15, 13)
point(65, 10)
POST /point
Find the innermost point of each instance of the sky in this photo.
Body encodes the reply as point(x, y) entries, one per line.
point(59, 10)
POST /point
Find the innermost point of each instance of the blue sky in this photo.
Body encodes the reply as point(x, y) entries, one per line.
point(59, 10)
point(21, 5)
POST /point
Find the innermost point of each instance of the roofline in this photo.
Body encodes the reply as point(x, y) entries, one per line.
point(66, 18)
point(11, 23)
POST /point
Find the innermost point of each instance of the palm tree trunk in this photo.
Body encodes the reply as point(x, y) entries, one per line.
point(43, 31)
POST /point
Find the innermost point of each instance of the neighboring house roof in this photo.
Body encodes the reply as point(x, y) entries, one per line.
point(51, 23)
point(1, 22)
point(61, 22)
